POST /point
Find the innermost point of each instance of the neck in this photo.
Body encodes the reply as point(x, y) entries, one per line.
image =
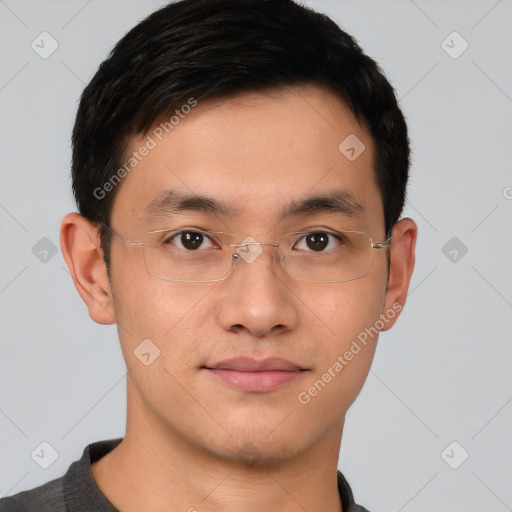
point(154, 468)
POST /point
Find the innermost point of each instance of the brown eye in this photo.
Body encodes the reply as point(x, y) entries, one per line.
point(189, 241)
point(317, 241)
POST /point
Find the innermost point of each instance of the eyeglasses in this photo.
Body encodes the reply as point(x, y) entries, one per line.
point(195, 256)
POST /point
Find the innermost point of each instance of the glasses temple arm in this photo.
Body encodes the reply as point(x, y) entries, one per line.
point(381, 245)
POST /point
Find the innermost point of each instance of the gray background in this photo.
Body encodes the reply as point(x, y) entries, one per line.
point(441, 375)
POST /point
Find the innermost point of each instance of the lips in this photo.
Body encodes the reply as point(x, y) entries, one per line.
point(246, 364)
point(250, 375)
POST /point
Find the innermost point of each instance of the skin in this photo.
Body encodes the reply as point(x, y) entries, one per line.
point(188, 434)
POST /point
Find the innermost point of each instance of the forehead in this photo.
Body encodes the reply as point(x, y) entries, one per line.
point(257, 154)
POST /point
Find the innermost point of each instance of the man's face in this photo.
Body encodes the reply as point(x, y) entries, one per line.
point(255, 154)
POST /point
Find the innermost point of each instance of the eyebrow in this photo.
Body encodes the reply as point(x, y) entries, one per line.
point(337, 201)
point(170, 203)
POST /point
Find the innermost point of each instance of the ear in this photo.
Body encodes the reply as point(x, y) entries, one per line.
point(80, 245)
point(402, 258)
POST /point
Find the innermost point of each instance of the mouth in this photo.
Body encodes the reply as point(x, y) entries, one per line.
point(252, 376)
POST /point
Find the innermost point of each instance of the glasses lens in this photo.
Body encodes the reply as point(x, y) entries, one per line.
point(188, 255)
point(322, 256)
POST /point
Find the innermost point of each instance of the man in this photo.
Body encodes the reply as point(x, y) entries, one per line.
point(240, 168)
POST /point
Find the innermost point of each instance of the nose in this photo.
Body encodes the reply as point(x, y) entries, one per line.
point(257, 296)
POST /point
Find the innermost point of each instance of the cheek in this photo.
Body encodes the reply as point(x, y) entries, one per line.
point(353, 321)
point(345, 352)
point(345, 309)
point(158, 322)
point(164, 312)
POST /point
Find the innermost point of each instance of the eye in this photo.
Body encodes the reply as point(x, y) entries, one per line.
point(189, 240)
point(318, 241)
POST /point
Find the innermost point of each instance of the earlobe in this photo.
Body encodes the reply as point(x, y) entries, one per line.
point(402, 254)
point(80, 245)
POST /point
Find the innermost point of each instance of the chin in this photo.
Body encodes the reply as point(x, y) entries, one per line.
point(252, 446)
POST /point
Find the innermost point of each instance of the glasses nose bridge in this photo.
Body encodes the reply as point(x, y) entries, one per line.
point(251, 250)
point(245, 244)
point(245, 247)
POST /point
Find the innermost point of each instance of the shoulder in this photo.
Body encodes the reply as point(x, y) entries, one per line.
point(347, 497)
point(48, 497)
point(76, 490)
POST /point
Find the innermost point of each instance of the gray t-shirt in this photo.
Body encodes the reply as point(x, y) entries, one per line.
point(77, 491)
